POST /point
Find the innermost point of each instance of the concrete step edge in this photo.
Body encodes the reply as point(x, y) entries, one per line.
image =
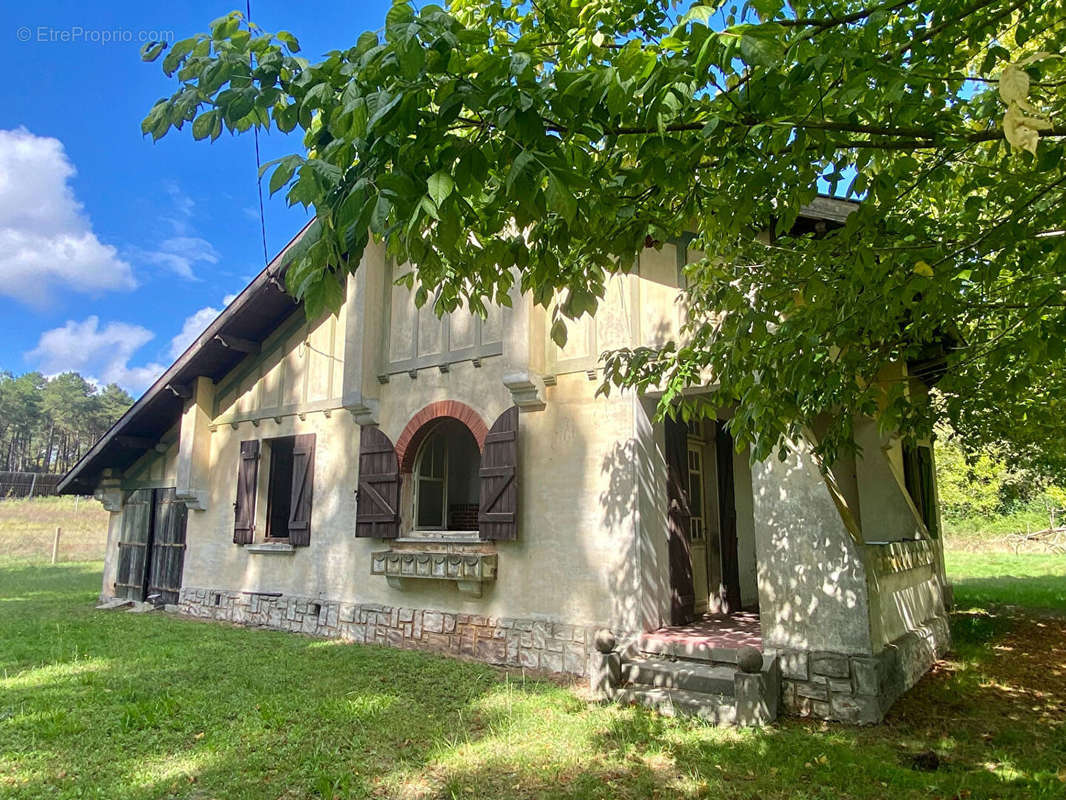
point(714, 708)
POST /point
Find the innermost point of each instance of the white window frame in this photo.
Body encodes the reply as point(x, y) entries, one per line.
point(443, 480)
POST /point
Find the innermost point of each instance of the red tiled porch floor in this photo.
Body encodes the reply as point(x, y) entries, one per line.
point(702, 637)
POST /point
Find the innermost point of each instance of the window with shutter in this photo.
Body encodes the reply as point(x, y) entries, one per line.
point(446, 479)
point(498, 509)
point(919, 479)
point(244, 506)
point(377, 512)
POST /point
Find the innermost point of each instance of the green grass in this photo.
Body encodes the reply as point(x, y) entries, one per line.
point(1031, 580)
point(116, 705)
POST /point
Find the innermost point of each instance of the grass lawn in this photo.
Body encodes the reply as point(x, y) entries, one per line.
point(117, 705)
point(1030, 580)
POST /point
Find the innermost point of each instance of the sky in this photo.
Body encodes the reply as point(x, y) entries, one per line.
point(116, 252)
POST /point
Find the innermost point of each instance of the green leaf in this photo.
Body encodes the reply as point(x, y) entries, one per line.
point(440, 186)
point(760, 45)
point(151, 50)
point(205, 124)
point(558, 333)
point(284, 171)
point(289, 41)
point(560, 199)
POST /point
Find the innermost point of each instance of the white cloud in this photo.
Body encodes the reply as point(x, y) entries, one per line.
point(183, 207)
point(100, 354)
point(179, 254)
point(46, 239)
point(193, 326)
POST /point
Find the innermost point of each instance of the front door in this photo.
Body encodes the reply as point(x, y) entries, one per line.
point(728, 593)
point(697, 523)
point(151, 549)
point(682, 592)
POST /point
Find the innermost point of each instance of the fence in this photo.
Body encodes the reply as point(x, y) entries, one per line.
point(28, 529)
point(27, 484)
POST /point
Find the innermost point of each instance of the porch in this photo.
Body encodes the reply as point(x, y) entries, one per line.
point(705, 637)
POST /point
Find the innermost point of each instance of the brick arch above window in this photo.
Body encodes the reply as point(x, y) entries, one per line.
point(415, 430)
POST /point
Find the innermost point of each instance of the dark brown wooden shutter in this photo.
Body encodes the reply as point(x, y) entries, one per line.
point(498, 510)
point(377, 512)
point(303, 484)
point(244, 507)
point(682, 588)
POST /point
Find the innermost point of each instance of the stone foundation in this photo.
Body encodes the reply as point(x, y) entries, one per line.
point(533, 644)
point(860, 689)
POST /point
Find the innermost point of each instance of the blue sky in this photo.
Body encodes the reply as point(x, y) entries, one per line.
point(116, 251)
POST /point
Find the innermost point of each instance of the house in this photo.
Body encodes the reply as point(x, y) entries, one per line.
point(385, 476)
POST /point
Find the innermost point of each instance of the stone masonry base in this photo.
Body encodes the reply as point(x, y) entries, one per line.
point(860, 689)
point(533, 644)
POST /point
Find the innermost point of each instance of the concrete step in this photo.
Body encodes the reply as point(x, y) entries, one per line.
point(649, 645)
point(114, 603)
point(693, 676)
point(713, 708)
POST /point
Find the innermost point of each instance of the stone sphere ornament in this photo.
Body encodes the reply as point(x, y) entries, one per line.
point(749, 660)
point(605, 641)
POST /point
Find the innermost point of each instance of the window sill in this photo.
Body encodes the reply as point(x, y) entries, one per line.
point(270, 548)
point(441, 537)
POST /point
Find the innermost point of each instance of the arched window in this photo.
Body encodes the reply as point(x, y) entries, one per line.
point(446, 490)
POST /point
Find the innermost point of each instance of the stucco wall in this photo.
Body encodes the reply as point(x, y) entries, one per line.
point(812, 584)
point(577, 509)
point(885, 511)
point(114, 532)
point(905, 587)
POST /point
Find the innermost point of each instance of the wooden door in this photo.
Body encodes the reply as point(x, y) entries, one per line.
point(729, 591)
point(682, 592)
point(167, 551)
point(151, 548)
point(697, 524)
point(131, 575)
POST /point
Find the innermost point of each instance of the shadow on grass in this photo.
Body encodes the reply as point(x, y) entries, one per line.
point(150, 706)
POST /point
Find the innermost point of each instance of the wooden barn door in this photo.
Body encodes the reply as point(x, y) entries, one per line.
point(151, 549)
point(130, 578)
point(167, 554)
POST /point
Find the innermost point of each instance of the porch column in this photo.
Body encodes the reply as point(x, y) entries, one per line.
point(194, 446)
point(812, 582)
